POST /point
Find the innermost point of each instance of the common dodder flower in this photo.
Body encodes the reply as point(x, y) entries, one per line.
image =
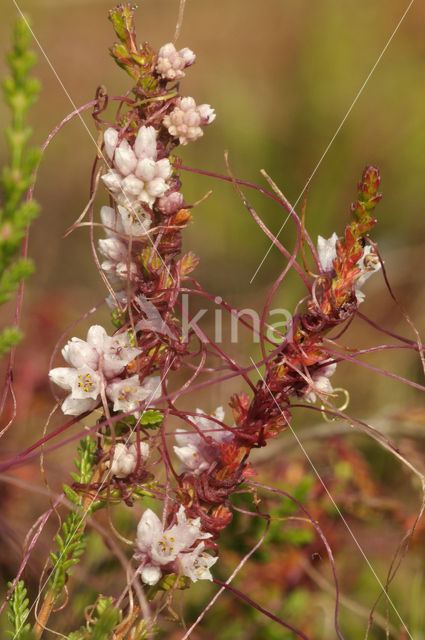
point(101, 358)
point(198, 451)
point(171, 550)
point(125, 457)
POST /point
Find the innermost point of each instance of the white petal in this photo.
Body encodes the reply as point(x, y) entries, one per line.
point(146, 169)
point(188, 56)
point(132, 186)
point(207, 113)
point(112, 181)
point(62, 376)
point(149, 530)
point(166, 50)
point(152, 388)
point(191, 458)
point(187, 103)
point(145, 145)
point(195, 565)
point(75, 406)
point(156, 187)
point(326, 249)
point(96, 336)
point(125, 159)
point(113, 249)
point(78, 353)
point(110, 138)
point(111, 220)
point(163, 168)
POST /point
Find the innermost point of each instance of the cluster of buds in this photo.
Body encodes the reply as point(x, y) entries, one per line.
point(125, 374)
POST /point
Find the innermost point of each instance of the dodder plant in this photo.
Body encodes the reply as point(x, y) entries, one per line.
point(124, 376)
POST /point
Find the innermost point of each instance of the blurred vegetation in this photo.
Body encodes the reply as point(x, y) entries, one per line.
point(281, 76)
point(20, 92)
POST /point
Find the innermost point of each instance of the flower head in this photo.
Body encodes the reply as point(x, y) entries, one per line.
point(170, 549)
point(197, 451)
point(186, 120)
point(171, 62)
point(128, 394)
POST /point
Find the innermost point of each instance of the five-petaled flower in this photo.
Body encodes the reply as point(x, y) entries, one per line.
point(171, 550)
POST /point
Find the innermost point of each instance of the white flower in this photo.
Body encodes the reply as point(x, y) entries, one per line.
point(136, 175)
point(117, 350)
point(171, 63)
point(197, 451)
point(84, 385)
point(320, 383)
point(127, 394)
point(196, 564)
point(157, 548)
point(186, 120)
point(124, 460)
point(119, 263)
point(135, 221)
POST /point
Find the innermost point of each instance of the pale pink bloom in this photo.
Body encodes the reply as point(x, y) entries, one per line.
point(171, 63)
point(124, 459)
point(116, 350)
point(186, 120)
point(128, 394)
point(197, 451)
point(158, 549)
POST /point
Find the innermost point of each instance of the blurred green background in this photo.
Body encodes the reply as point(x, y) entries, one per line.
point(282, 75)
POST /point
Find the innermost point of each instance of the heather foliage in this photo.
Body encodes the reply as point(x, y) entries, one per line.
point(20, 91)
